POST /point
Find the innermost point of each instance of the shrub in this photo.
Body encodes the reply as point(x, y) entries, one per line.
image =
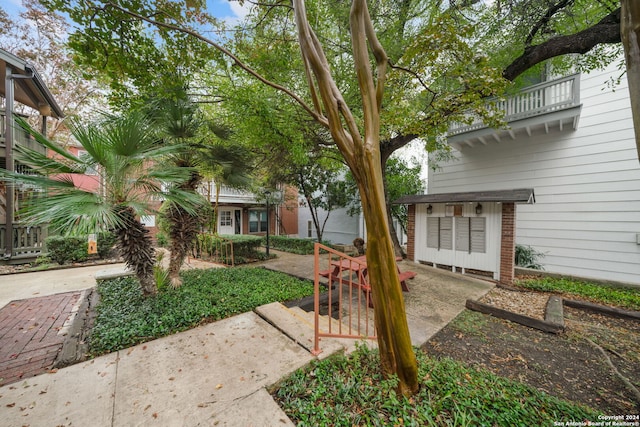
point(106, 244)
point(245, 247)
point(528, 257)
point(291, 244)
point(162, 239)
point(70, 248)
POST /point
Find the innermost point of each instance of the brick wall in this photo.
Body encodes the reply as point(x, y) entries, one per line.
point(411, 233)
point(508, 243)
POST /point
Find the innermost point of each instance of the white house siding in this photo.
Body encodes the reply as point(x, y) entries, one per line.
point(487, 261)
point(587, 185)
point(340, 228)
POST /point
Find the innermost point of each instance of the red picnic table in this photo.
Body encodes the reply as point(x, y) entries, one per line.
point(358, 266)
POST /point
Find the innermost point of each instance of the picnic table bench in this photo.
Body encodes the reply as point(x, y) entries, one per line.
point(358, 266)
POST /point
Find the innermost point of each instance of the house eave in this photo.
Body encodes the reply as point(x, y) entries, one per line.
point(561, 120)
point(30, 89)
point(520, 196)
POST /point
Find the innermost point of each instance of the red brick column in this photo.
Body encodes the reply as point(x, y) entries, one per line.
point(411, 233)
point(508, 243)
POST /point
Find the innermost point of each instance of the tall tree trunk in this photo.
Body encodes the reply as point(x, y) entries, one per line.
point(215, 210)
point(136, 248)
point(630, 34)
point(394, 341)
point(183, 230)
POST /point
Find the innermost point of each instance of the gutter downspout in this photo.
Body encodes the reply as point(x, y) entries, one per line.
point(10, 166)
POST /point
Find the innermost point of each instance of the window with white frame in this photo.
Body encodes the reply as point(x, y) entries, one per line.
point(225, 219)
point(257, 221)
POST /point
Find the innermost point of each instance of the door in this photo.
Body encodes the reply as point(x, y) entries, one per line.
point(229, 221)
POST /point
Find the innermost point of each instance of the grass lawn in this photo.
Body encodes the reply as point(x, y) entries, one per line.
point(125, 318)
point(627, 298)
point(350, 391)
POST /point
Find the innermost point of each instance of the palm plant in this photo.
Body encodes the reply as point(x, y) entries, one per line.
point(129, 159)
point(180, 122)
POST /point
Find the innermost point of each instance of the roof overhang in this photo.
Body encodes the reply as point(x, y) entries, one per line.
point(538, 124)
point(521, 195)
point(30, 89)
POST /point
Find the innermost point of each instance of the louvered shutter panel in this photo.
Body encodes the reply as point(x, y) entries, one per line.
point(433, 232)
point(478, 235)
point(446, 237)
point(462, 234)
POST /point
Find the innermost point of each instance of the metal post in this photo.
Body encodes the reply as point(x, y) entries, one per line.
point(267, 194)
point(8, 243)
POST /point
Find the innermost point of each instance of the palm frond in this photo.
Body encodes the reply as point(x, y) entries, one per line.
point(40, 139)
point(42, 164)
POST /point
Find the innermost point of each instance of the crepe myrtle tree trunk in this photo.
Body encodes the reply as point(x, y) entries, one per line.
point(394, 342)
point(630, 34)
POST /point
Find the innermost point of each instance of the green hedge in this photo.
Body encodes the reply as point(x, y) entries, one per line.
point(106, 244)
point(63, 249)
point(245, 247)
point(67, 249)
point(291, 244)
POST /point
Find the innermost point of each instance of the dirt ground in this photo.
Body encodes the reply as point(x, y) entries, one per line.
point(572, 365)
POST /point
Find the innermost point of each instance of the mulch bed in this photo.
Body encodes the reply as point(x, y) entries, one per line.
point(586, 363)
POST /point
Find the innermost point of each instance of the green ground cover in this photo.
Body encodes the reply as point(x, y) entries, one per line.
point(350, 391)
point(628, 298)
point(125, 318)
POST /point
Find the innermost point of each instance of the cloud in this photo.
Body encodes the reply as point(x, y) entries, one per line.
point(240, 11)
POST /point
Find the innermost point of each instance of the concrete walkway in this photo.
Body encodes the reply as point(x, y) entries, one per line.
point(215, 374)
point(41, 283)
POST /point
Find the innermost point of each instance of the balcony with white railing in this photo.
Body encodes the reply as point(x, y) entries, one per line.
point(228, 195)
point(540, 108)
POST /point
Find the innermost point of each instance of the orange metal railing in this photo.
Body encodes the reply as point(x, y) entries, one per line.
point(349, 289)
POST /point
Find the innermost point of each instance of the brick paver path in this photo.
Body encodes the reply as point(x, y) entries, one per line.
point(32, 332)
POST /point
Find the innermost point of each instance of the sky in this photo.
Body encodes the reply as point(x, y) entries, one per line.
point(226, 10)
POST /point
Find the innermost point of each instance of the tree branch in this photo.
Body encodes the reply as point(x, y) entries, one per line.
point(545, 19)
point(322, 120)
point(389, 146)
point(334, 103)
point(359, 32)
point(605, 31)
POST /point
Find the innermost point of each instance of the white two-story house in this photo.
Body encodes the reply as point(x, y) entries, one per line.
point(563, 178)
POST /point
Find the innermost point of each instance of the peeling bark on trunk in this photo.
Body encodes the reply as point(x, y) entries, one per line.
point(394, 341)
